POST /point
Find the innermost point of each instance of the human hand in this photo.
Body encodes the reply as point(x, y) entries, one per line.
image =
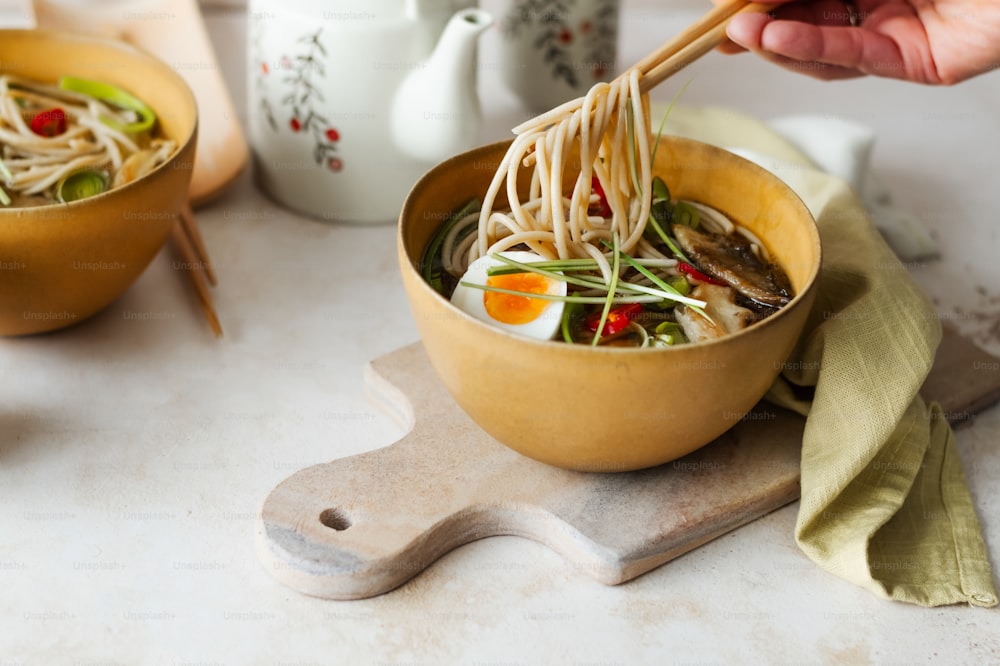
point(936, 42)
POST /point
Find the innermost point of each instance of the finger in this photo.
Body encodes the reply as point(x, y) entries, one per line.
point(846, 47)
point(781, 7)
point(811, 68)
point(843, 47)
point(729, 47)
point(746, 29)
point(749, 33)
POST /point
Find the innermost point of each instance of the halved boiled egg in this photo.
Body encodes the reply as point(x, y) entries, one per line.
point(534, 317)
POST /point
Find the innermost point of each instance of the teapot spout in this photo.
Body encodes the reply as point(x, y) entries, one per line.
point(435, 113)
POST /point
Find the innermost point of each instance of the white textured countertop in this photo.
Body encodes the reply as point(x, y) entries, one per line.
point(135, 449)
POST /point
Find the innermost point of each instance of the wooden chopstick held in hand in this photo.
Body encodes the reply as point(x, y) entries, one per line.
point(693, 42)
point(188, 240)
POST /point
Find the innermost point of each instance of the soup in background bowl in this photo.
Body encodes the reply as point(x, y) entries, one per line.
point(60, 263)
point(609, 409)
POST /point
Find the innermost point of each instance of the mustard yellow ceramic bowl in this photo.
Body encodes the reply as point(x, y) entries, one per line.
point(612, 409)
point(61, 263)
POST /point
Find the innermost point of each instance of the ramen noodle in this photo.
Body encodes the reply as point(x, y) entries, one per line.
point(67, 141)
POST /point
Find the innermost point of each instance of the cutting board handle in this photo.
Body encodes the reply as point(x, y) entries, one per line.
point(359, 526)
point(364, 525)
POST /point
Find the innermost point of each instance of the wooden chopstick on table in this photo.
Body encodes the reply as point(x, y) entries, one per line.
point(187, 237)
point(198, 244)
point(693, 42)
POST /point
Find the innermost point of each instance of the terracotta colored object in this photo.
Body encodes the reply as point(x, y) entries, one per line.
point(64, 262)
point(612, 409)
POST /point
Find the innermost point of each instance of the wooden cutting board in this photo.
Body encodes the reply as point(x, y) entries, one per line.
point(363, 525)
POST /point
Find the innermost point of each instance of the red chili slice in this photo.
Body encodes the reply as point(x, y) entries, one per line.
point(618, 318)
point(602, 207)
point(50, 122)
point(695, 274)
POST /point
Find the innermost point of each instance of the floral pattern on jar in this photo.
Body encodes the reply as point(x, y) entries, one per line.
point(555, 50)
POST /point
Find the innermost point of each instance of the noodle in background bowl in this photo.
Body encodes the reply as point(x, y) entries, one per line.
point(612, 409)
point(62, 263)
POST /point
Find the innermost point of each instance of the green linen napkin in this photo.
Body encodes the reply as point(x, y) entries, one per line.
point(884, 501)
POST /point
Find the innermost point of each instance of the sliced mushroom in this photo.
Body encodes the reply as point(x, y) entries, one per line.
point(721, 307)
point(730, 258)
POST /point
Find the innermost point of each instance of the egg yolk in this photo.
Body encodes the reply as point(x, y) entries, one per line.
point(511, 309)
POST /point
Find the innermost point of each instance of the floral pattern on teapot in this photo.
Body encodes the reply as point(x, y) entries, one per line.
point(302, 70)
point(349, 103)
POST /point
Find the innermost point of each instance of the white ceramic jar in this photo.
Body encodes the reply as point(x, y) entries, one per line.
point(552, 51)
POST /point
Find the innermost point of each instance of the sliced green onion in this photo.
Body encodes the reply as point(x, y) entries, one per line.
point(669, 293)
point(686, 214)
point(667, 240)
point(113, 95)
point(664, 286)
point(569, 265)
point(570, 313)
point(694, 304)
point(569, 298)
point(5, 172)
point(670, 332)
point(630, 287)
point(547, 265)
point(679, 283)
point(531, 268)
point(612, 287)
point(81, 184)
point(663, 120)
point(4, 198)
point(660, 190)
point(431, 262)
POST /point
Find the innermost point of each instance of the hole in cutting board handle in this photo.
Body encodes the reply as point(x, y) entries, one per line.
point(335, 519)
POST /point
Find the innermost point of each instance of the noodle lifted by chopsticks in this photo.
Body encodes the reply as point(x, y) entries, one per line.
point(610, 128)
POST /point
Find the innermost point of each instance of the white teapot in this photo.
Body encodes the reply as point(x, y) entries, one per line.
point(350, 102)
